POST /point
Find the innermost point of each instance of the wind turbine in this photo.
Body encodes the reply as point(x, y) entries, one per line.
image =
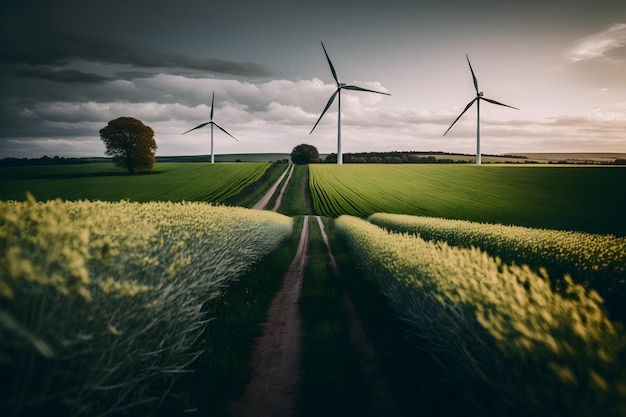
point(337, 93)
point(479, 96)
point(212, 123)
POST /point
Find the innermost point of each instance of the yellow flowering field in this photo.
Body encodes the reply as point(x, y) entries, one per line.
point(598, 261)
point(501, 324)
point(106, 297)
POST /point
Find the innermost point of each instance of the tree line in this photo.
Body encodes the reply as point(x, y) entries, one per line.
point(393, 157)
point(308, 154)
point(47, 160)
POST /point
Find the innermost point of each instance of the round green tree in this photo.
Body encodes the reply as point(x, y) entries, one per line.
point(130, 143)
point(305, 154)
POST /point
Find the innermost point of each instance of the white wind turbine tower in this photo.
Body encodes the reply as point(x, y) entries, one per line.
point(479, 96)
point(212, 123)
point(337, 93)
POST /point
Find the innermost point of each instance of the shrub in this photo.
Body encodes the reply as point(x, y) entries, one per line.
point(304, 154)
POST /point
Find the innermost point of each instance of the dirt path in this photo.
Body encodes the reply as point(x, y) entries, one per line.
point(264, 201)
point(279, 200)
point(380, 396)
point(276, 358)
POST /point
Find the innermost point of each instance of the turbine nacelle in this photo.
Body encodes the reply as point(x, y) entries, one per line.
point(480, 94)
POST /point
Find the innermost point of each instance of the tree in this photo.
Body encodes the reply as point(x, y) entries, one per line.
point(130, 143)
point(305, 154)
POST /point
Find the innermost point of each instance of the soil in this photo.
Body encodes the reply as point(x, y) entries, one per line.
point(264, 201)
point(277, 354)
point(279, 200)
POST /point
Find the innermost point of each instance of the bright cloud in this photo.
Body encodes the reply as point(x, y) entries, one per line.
point(276, 115)
point(596, 46)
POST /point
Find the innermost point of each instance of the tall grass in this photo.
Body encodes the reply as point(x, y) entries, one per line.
point(224, 369)
point(598, 261)
point(420, 385)
point(541, 352)
point(101, 304)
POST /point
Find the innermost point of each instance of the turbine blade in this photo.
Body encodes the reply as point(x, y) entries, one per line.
point(223, 130)
point(332, 68)
point(197, 127)
point(355, 88)
point(498, 103)
point(212, 101)
point(463, 112)
point(330, 101)
point(473, 76)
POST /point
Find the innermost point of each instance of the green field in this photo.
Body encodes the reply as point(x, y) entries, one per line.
point(572, 198)
point(170, 181)
point(557, 197)
point(467, 319)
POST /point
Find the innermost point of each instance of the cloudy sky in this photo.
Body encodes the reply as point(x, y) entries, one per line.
point(67, 67)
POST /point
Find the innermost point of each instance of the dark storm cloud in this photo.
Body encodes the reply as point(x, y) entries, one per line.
point(60, 48)
point(54, 34)
point(61, 75)
point(132, 75)
point(67, 67)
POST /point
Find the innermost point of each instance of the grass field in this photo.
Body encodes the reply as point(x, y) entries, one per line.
point(170, 181)
point(571, 198)
point(556, 197)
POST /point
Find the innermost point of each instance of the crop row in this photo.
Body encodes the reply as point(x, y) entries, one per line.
point(170, 181)
point(598, 261)
point(101, 304)
point(532, 196)
point(499, 326)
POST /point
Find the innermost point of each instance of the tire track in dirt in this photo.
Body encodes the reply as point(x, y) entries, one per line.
point(279, 200)
point(265, 200)
point(381, 397)
point(277, 354)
